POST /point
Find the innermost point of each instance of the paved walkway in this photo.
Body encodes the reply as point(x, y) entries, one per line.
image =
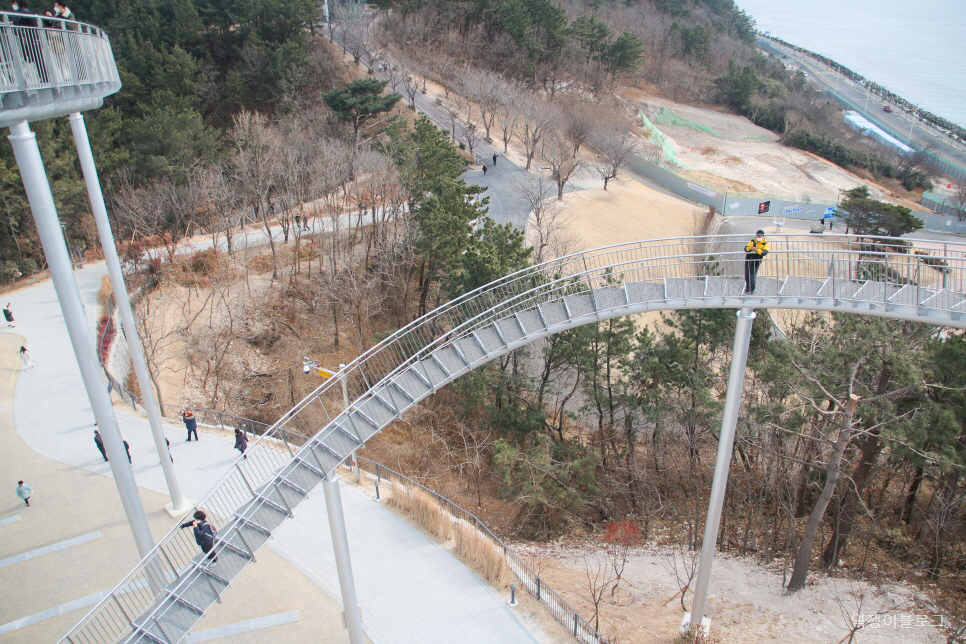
point(410, 588)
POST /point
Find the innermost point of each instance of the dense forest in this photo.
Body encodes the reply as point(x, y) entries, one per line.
point(187, 69)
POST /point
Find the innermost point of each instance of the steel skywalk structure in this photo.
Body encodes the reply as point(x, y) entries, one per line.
point(52, 67)
point(173, 586)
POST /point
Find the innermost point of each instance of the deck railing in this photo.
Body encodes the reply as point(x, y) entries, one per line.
point(50, 67)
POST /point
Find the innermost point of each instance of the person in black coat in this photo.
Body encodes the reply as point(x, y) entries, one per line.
point(241, 441)
point(204, 534)
point(29, 39)
point(190, 423)
point(100, 443)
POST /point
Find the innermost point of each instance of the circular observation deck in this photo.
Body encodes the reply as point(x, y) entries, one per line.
point(52, 67)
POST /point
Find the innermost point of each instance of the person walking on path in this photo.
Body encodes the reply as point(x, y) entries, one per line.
point(755, 251)
point(168, 443)
point(204, 533)
point(25, 356)
point(100, 444)
point(190, 423)
point(127, 448)
point(494, 159)
point(24, 491)
point(484, 169)
point(241, 441)
point(8, 315)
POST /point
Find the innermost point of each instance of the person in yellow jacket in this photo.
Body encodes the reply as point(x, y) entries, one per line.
point(755, 251)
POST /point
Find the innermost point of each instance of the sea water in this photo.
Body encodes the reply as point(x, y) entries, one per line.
point(914, 48)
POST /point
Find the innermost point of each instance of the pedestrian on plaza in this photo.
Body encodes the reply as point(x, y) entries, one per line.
point(24, 491)
point(25, 356)
point(8, 315)
point(190, 423)
point(241, 441)
point(99, 441)
point(168, 443)
point(755, 251)
point(484, 169)
point(127, 448)
point(494, 160)
point(204, 533)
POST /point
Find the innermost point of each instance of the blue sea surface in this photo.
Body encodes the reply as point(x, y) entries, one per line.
point(916, 49)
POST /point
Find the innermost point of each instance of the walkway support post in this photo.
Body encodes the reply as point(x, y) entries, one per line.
point(340, 544)
point(41, 201)
point(726, 442)
point(178, 503)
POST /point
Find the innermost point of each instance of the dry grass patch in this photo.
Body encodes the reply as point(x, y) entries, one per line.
point(422, 507)
point(472, 547)
point(481, 554)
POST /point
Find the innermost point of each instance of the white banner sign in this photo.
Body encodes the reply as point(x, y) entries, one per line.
point(702, 190)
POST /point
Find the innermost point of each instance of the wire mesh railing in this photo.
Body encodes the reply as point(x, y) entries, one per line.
point(565, 614)
point(901, 283)
point(38, 52)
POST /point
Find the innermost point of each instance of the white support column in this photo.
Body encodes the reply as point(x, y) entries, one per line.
point(61, 272)
point(178, 503)
point(340, 544)
point(726, 442)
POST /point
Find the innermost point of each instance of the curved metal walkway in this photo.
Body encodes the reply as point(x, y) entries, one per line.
point(161, 599)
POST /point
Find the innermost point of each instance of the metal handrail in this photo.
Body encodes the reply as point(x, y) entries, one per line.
point(563, 612)
point(51, 67)
point(844, 260)
point(40, 52)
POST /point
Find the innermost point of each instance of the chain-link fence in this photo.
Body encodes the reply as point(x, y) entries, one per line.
point(768, 206)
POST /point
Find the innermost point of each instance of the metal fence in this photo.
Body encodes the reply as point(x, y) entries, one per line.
point(947, 205)
point(779, 206)
point(576, 289)
point(569, 618)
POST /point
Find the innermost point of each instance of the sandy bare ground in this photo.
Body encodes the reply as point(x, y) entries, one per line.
point(742, 157)
point(747, 602)
point(627, 211)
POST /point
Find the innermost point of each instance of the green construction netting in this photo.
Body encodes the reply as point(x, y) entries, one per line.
point(657, 138)
point(667, 117)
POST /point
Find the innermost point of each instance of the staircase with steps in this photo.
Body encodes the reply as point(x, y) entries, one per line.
point(283, 466)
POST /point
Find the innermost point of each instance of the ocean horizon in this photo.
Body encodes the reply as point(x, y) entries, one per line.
point(913, 49)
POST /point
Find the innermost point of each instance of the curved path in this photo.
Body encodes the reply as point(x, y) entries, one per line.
point(52, 416)
point(255, 496)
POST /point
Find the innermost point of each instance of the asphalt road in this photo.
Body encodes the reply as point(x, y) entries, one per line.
point(899, 123)
point(502, 182)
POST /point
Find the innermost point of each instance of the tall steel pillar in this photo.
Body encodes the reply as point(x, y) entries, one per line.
point(178, 503)
point(726, 442)
point(340, 543)
point(41, 201)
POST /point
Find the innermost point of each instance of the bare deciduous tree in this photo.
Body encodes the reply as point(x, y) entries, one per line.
point(548, 222)
point(536, 120)
point(562, 163)
point(615, 149)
